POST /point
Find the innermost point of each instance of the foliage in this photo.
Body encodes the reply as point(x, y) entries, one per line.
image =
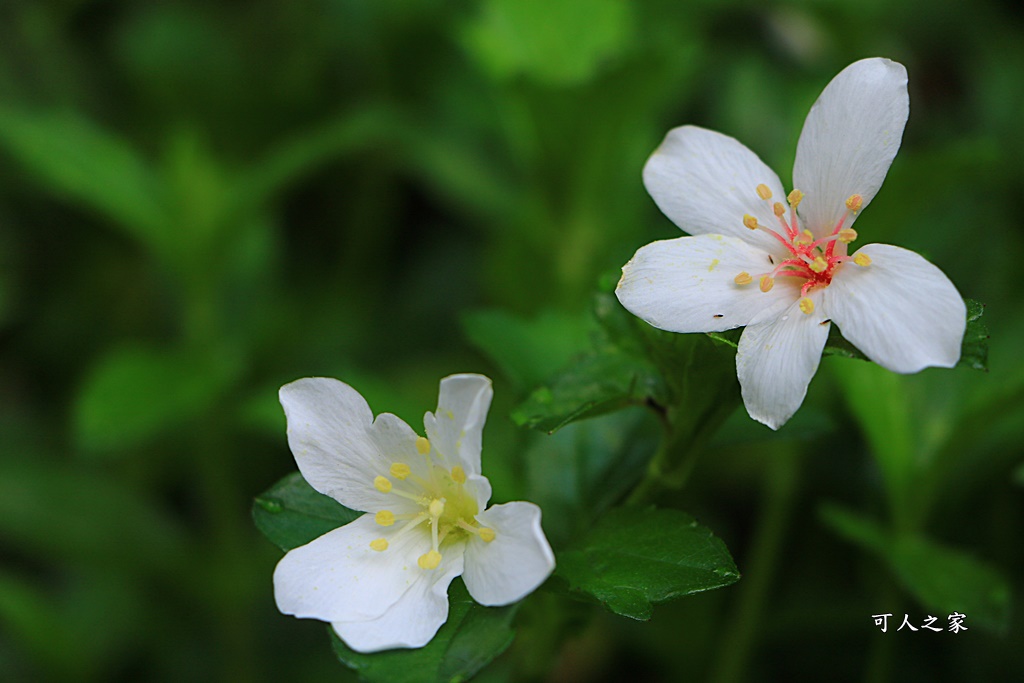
point(203, 201)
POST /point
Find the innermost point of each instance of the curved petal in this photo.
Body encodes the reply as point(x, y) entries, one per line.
point(705, 182)
point(849, 140)
point(456, 429)
point(512, 565)
point(338, 446)
point(339, 577)
point(414, 619)
point(688, 284)
point(776, 360)
point(479, 489)
point(901, 311)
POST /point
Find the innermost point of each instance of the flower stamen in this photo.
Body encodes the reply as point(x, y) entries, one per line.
point(429, 560)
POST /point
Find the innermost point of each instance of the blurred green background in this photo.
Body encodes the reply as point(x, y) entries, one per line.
point(201, 201)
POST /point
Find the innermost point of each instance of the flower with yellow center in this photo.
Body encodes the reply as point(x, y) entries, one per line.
point(895, 306)
point(382, 580)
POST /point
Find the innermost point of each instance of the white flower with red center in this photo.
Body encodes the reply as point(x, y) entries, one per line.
point(782, 269)
point(382, 580)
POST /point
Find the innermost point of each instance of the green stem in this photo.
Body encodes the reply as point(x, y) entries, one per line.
point(680, 448)
point(780, 484)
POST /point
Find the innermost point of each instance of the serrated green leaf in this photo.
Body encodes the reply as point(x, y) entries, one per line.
point(941, 578)
point(636, 557)
point(597, 383)
point(471, 638)
point(135, 394)
point(974, 352)
point(291, 513)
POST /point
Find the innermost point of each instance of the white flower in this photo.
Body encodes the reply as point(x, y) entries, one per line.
point(382, 580)
point(786, 275)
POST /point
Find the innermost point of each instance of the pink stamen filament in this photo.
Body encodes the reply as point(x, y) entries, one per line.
point(786, 243)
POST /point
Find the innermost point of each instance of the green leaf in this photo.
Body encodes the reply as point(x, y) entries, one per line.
point(471, 638)
point(597, 383)
point(636, 557)
point(973, 349)
point(942, 579)
point(551, 41)
point(291, 513)
point(74, 157)
point(138, 393)
point(527, 351)
point(974, 353)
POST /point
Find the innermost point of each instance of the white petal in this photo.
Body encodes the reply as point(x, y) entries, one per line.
point(456, 429)
point(339, 577)
point(901, 310)
point(776, 360)
point(705, 182)
point(512, 565)
point(415, 618)
point(688, 284)
point(338, 446)
point(849, 140)
point(479, 489)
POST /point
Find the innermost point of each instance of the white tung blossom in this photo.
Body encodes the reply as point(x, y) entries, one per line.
point(756, 260)
point(382, 580)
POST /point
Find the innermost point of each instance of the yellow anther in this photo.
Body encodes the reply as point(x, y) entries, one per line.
point(854, 202)
point(458, 475)
point(400, 470)
point(743, 278)
point(384, 518)
point(382, 484)
point(763, 192)
point(806, 306)
point(862, 259)
point(847, 235)
point(806, 237)
point(749, 221)
point(429, 560)
point(779, 208)
point(379, 544)
point(486, 534)
point(436, 508)
point(422, 445)
point(819, 265)
point(767, 283)
point(794, 198)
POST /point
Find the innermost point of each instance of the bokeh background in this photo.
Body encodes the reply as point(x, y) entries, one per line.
point(201, 201)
